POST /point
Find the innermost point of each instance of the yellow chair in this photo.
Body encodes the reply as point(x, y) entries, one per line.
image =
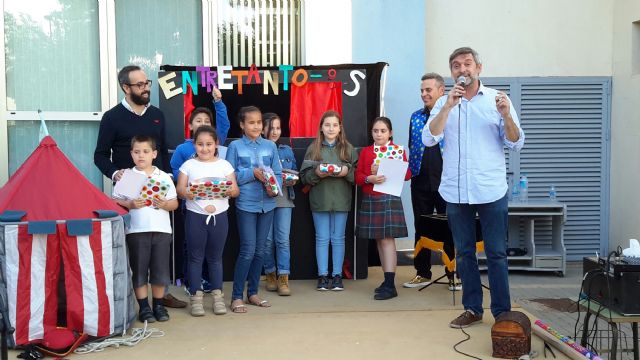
point(438, 246)
point(448, 262)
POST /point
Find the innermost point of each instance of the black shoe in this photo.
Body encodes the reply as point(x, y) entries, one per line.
point(146, 315)
point(336, 284)
point(160, 313)
point(323, 284)
point(379, 288)
point(386, 293)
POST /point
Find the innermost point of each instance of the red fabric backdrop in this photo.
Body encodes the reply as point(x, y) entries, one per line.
point(309, 102)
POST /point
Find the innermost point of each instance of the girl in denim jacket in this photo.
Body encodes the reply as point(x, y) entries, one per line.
point(278, 238)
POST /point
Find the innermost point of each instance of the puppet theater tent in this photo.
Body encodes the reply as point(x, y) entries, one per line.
point(61, 246)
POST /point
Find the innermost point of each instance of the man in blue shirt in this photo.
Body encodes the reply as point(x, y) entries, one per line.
point(476, 122)
point(426, 168)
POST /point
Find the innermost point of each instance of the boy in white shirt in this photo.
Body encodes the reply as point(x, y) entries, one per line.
point(149, 234)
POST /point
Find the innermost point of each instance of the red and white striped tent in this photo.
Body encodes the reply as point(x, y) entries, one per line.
point(51, 219)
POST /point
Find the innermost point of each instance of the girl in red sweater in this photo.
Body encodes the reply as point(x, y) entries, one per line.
point(381, 216)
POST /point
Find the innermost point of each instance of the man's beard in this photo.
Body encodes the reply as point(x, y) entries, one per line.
point(139, 100)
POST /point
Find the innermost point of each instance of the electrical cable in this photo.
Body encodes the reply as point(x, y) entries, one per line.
point(455, 347)
point(137, 335)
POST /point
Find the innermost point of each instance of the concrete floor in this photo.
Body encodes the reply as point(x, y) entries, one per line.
point(319, 325)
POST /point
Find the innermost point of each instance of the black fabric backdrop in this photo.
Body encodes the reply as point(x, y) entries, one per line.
point(358, 112)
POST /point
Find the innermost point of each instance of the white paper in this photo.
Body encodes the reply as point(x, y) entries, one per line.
point(394, 171)
point(222, 152)
point(130, 185)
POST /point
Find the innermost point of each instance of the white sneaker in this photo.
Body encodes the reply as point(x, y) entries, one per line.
point(455, 286)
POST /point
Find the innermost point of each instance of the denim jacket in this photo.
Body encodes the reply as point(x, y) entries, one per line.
point(288, 161)
point(245, 155)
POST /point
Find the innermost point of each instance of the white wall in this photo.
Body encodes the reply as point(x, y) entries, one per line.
point(384, 31)
point(559, 38)
point(524, 37)
point(327, 29)
point(625, 126)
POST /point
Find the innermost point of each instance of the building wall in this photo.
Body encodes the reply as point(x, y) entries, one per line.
point(625, 124)
point(523, 38)
point(385, 31)
point(559, 38)
point(327, 32)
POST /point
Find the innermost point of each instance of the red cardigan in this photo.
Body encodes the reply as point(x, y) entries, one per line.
point(365, 159)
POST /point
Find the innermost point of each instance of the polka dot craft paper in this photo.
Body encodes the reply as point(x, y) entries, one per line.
point(153, 189)
point(210, 188)
point(388, 151)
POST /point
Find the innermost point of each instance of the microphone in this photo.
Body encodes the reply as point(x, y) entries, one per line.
point(462, 81)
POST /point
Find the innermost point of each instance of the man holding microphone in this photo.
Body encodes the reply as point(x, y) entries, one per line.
point(476, 122)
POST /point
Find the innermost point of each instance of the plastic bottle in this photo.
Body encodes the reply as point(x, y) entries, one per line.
point(524, 188)
point(552, 193)
point(515, 192)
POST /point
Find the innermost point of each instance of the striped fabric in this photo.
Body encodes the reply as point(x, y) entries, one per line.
point(32, 274)
point(381, 216)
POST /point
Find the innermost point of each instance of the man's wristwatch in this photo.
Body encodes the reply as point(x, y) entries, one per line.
point(366, 180)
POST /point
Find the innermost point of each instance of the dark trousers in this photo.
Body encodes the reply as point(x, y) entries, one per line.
point(424, 201)
point(205, 241)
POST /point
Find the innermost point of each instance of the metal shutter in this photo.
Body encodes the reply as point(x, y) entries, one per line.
point(566, 121)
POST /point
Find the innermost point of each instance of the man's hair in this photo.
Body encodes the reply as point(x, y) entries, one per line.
point(463, 51)
point(123, 75)
point(143, 139)
point(435, 76)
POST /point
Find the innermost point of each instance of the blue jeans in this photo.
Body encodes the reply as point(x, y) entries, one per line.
point(494, 224)
point(279, 234)
point(330, 227)
point(252, 229)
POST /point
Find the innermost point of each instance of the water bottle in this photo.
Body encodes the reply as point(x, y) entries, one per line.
point(552, 193)
point(515, 192)
point(524, 188)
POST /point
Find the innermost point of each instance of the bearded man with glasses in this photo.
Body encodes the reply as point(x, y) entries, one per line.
point(132, 116)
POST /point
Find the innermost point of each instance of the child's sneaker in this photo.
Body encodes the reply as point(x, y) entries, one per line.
point(197, 309)
point(323, 283)
point(219, 308)
point(336, 284)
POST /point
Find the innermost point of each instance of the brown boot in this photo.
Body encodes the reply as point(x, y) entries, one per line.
point(272, 282)
point(283, 285)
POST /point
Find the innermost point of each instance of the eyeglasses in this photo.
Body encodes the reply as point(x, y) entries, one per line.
point(141, 84)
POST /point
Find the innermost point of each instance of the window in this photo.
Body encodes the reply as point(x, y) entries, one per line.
point(52, 55)
point(261, 32)
point(52, 63)
point(151, 33)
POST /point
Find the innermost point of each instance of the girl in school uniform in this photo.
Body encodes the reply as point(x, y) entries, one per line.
point(328, 170)
point(381, 216)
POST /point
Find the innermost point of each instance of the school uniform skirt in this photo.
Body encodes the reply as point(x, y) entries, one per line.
point(381, 216)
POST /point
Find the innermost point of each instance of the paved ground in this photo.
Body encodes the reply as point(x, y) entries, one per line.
point(552, 299)
point(532, 289)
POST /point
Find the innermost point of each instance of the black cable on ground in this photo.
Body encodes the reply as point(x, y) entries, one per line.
point(455, 347)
